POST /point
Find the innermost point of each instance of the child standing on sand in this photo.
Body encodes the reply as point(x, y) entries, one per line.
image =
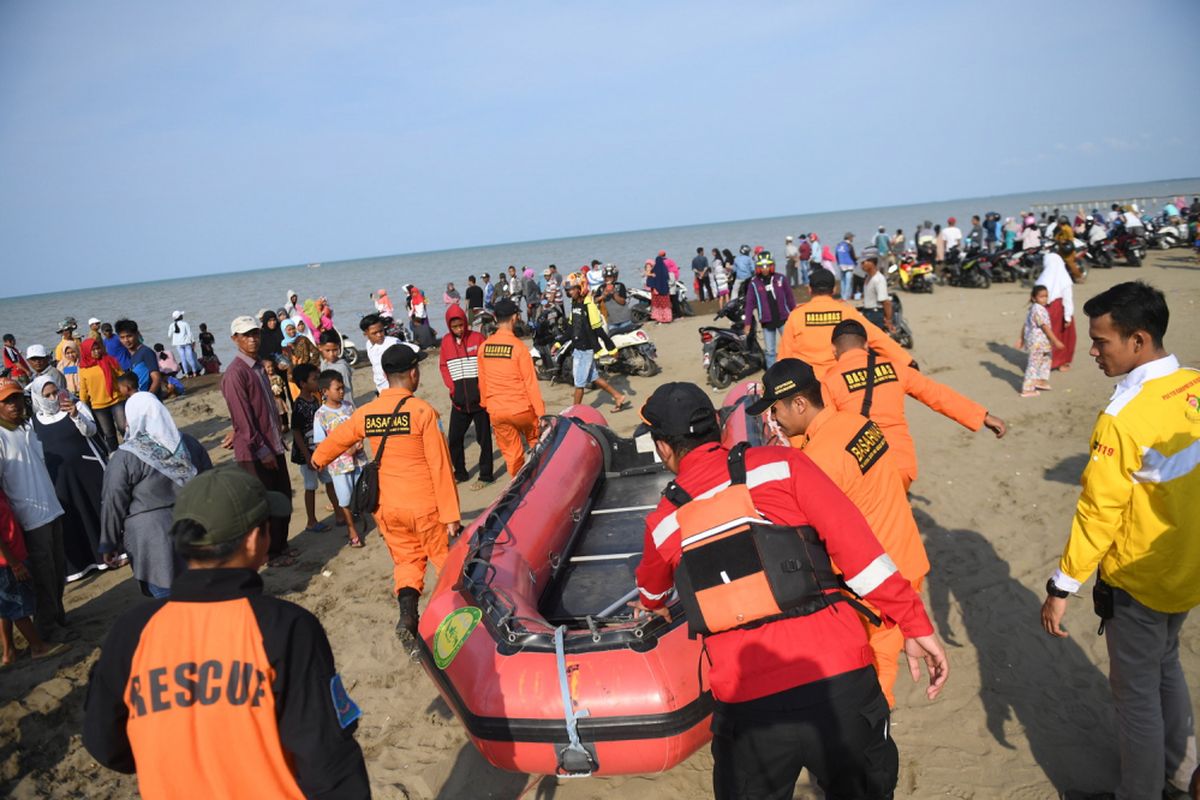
point(1037, 337)
point(278, 388)
point(345, 469)
point(304, 409)
point(18, 603)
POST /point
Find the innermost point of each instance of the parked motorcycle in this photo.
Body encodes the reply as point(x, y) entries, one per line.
point(972, 271)
point(633, 353)
point(902, 334)
point(730, 354)
point(1129, 246)
point(912, 276)
point(639, 299)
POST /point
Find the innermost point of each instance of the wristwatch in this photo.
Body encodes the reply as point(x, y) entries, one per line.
point(1054, 591)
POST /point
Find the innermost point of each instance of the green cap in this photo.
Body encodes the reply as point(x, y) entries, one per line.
point(228, 502)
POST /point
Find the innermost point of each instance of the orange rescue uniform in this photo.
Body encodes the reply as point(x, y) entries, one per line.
point(854, 453)
point(418, 497)
point(808, 334)
point(844, 387)
point(508, 389)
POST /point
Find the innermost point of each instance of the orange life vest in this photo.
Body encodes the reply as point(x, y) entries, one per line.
point(740, 570)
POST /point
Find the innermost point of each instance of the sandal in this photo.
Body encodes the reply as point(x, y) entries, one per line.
point(281, 561)
point(320, 527)
point(622, 405)
point(357, 542)
point(1029, 394)
point(55, 649)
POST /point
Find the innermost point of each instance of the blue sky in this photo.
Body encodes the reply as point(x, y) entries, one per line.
point(143, 140)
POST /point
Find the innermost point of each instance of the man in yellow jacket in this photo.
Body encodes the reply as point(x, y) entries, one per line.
point(1137, 519)
point(418, 497)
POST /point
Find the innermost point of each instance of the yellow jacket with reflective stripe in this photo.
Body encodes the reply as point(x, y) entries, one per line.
point(1139, 514)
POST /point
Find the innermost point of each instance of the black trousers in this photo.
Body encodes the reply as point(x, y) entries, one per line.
point(111, 421)
point(460, 421)
point(705, 292)
point(276, 480)
point(836, 728)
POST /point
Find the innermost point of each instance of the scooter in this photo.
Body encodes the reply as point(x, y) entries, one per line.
point(729, 354)
point(639, 299)
point(1130, 246)
point(914, 277)
point(902, 334)
point(633, 353)
point(971, 272)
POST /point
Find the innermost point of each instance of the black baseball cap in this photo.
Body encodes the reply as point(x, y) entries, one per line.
point(400, 358)
point(678, 409)
point(848, 327)
point(228, 502)
point(787, 377)
point(505, 308)
point(822, 279)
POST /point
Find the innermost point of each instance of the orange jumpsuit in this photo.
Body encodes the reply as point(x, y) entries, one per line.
point(418, 497)
point(853, 452)
point(843, 389)
point(808, 334)
point(509, 391)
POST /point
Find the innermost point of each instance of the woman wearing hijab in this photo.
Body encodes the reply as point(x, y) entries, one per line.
point(184, 344)
point(451, 296)
point(383, 303)
point(98, 373)
point(140, 485)
point(271, 343)
point(76, 466)
point(1061, 305)
point(300, 347)
point(660, 290)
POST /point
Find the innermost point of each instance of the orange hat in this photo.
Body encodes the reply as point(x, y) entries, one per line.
point(9, 387)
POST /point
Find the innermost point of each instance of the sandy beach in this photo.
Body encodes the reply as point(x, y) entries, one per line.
point(1023, 716)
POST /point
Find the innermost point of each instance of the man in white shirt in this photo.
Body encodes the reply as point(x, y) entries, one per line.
point(372, 327)
point(30, 492)
point(877, 300)
point(951, 235)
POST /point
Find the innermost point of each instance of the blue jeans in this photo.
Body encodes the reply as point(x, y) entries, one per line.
point(769, 337)
point(187, 359)
point(847, 281)
point(804, 273)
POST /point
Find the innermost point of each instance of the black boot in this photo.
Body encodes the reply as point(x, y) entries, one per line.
point(406, 628)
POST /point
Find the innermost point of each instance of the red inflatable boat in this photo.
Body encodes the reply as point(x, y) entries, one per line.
point(528, 636)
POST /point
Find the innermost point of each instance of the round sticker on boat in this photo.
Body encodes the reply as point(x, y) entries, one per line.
point(452, 634)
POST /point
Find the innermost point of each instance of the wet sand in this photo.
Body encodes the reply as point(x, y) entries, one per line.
point(1022, 715)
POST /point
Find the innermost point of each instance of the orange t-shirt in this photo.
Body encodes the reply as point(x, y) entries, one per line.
point(808, 334)
point(856, 456)
point(844, 387)
point(415, 472)
point(508, 382)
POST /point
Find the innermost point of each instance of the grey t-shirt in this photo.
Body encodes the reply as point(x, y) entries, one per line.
point(875, 291)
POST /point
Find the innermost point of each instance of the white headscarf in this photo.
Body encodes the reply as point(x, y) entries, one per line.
point(1058, 283)
point(154, 439)
point(46, 409)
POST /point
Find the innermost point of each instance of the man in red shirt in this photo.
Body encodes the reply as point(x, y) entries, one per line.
point(459, 364)
point(795, 690)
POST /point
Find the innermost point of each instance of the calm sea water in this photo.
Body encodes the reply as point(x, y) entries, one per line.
point(217, 299)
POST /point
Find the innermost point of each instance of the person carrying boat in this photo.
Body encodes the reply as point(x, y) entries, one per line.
point(805, 335)
point(418, 498)
point(508, 388)
point(790, 668)
point(857, 368)
point(853, 452)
